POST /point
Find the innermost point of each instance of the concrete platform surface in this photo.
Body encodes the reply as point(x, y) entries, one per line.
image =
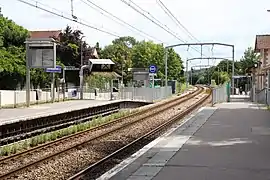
point(16, 114)
point(230, 141)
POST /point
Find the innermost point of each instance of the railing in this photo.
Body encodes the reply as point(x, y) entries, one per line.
point(219, 95)
point(145, 94)
point(9, 98)
point(262, 96)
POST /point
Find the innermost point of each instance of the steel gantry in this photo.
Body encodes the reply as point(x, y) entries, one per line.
point(194, 66)
point(197, 44)
point(191, 59)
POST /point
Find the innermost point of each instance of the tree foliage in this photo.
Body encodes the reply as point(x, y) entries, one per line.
point(126, 52)
point(12, 57)
point(248, 60)
point(219, 73)
point(120, 52)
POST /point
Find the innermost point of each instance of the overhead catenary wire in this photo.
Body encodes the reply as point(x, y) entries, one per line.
point(173, 18)
point(118, 20)
point(153, 21)
point(152, 16)
point(64, 17)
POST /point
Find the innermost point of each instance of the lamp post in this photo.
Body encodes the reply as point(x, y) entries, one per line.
point(81, 83)
point(82, 51)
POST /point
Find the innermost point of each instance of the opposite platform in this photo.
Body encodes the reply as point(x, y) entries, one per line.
point(16, 114)
point(230, 141)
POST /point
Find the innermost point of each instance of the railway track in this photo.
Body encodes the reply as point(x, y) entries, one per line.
point(14, 132)
point(98, 168)
point(15, 164)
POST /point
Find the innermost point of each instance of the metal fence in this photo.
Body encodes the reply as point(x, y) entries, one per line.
point(9, 98)
point(219, 95)
point(145, 94)
point(261, 97)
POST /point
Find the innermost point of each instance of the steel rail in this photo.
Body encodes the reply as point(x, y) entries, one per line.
point(90, 130)
point(80, 175)
point(169, 103)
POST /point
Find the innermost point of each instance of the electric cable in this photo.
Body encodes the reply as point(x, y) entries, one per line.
point(62, 16)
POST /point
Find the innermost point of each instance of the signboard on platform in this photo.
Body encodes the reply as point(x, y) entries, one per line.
point(71, 68)
point(41, 53)
point(140, 76)
point(57, 69)
point(152, 69)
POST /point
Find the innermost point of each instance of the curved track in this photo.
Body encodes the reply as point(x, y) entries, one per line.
point(14, 164)
point(93, 171)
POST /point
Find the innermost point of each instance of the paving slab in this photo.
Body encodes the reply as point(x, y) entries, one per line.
point(232, 144)
point(229, 141)
point(16, 114)
point(156, 157)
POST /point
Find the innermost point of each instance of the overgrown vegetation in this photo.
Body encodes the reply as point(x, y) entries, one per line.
point(51, 136)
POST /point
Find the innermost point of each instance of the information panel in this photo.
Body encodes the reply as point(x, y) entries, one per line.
point(41, 57)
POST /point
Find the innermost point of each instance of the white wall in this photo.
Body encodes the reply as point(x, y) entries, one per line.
point(9, 97)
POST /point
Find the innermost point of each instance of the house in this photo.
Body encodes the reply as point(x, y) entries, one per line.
point(89, 52)
point(261, 72)
point(46, 34)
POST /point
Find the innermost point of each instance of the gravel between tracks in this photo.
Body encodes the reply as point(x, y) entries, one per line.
point(67, 164)
point(18, 162)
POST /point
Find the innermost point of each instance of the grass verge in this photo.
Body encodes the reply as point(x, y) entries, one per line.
point(182, 87)
point(51, 136)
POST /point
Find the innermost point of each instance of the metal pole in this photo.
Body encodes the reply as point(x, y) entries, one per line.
point(218, 75)
point(111, 90)
point(233, 69)
point(52, 88)
point(81, 53)
point(81, 83)
point(153, 85)
point(81, 74)
point(187, 74)
point(191, 77)
point(27, 76)
point(201, 56)
point(64, 83)
point(166, 70)
point(208, 73)
point(122, 78)
point(228, 66)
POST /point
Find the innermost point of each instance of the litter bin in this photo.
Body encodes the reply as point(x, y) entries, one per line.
point(74, 93)
point(38, 94)
point(95, 90)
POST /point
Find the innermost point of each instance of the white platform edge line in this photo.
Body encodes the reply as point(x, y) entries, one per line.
point(112, 172)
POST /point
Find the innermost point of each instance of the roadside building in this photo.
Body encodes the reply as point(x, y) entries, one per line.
point(261, 70)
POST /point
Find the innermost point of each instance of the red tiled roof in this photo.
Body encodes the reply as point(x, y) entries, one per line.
point(262, 42)
point(45, 34)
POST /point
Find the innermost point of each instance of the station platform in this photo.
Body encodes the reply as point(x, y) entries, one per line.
point(228, 141)
point(17, 114)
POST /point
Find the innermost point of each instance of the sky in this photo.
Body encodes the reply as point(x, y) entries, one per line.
point(235, 22)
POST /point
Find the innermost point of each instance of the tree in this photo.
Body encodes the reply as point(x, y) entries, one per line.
point(248, 60)
point(12, 57)
point(120, 51)
point(147, 53)
point(220, 77)
point(69, 51)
